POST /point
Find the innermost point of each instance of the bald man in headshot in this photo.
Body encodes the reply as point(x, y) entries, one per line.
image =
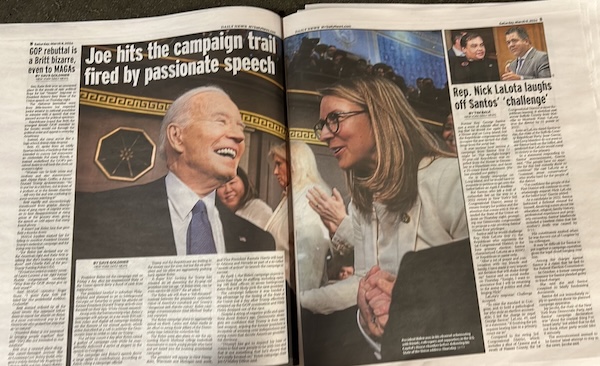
point(529, 63)
point(202, 139)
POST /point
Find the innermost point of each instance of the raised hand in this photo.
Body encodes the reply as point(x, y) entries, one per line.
point(330, 208)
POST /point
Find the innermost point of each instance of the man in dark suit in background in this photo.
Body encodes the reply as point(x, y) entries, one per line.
point(202, 138)
point(529, 63)
point(456, 49)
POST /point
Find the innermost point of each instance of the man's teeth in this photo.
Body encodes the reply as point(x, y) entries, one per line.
point(227, 152)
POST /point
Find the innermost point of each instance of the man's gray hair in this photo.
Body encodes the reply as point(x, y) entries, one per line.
point(179, 112)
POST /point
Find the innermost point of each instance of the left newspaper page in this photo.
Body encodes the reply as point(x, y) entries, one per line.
point(130, 145)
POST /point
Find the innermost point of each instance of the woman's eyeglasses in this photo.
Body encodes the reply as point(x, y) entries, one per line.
point(332, 121)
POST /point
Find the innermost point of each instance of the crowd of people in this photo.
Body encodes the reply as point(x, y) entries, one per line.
point(331, 61)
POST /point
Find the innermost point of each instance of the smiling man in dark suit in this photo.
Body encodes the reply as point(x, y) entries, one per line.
point(202, 139)
point(474, 66)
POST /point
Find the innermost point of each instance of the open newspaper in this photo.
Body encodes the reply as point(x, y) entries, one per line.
point(393, 183)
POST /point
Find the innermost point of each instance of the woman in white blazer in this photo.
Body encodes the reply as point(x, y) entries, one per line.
point(406, 194)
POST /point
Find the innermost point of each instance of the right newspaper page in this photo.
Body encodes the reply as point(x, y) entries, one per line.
point(444, 165)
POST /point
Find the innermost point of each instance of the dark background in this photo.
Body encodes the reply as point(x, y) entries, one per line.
point(24, 11)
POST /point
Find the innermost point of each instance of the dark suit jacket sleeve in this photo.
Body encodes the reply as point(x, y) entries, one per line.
point(128, 222)
point(495, 72)
point(434, 295)
point(136, 222)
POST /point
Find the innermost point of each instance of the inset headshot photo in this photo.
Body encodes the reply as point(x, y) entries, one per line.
point(472, 56)
point(524, 55)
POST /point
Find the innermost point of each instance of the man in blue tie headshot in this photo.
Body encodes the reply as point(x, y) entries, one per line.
point(202, 139)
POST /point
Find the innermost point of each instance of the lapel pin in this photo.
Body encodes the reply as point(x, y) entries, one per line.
point(405, 218)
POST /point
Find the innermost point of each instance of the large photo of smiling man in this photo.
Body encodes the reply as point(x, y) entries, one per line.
point(202, 140)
